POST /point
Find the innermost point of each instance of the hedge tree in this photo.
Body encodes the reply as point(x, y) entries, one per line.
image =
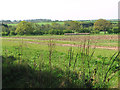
point(102, 25)
point(24, 28)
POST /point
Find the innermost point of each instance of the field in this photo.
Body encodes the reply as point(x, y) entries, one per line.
point(60, 61)
point(40, 23)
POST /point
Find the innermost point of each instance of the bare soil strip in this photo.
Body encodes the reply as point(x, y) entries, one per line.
point(72, 45)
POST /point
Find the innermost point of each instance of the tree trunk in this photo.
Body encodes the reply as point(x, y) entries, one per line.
point(104, 31)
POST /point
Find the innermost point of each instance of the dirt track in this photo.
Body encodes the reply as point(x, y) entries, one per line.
point(72, 45)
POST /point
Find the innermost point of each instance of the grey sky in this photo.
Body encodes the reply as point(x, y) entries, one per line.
point(59, 9)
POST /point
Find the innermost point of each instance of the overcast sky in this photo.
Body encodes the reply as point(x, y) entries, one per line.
point(58, 9)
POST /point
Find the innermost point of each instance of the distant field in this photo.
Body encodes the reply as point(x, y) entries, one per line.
point(11, 24)
point(50, 23)
point(42, 23)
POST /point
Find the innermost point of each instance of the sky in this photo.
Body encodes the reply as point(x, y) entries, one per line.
point(58, 9)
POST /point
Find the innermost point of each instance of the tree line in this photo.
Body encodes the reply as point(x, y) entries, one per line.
point(30, 28)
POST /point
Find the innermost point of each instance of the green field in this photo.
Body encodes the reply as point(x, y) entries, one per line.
point(60, 61)
point(50, 23)
point(40, 23)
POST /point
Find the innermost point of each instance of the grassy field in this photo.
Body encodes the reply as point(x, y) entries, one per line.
point(50, 23)
point(42, 23)
point(60, 61)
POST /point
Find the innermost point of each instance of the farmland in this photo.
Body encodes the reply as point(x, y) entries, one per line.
point(40, 23)
point(60, 61)
point(82, 54)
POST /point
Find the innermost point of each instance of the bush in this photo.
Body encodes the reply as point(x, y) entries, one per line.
point(52, 31)
point(116, 30)
point(84, 30)
point(110, 31)
point(67, 31)
point(4, 33)
point(46, 32)
point(56, 32)
point(37, 32)
point(95, 31)
point(12, 28)
point(12, 33)
point(59, 32)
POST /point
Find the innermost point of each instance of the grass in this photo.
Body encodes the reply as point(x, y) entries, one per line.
point(58, 48)
point(45, 66)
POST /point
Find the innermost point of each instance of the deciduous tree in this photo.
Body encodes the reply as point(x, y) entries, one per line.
point(24, 28)
point(102, 25)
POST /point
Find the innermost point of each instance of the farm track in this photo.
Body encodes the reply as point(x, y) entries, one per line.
point(73, 45)
point(69, 45)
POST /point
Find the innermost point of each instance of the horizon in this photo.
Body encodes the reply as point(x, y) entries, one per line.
point(59, 20)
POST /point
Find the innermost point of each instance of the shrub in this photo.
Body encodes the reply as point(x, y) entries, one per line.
point(116, 30)
point(110, 31)
point(67, 31)
point(95, 31)
point(4, 33)
point(84, 30)
point(12, 33)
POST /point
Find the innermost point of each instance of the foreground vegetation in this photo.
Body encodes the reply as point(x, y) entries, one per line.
point(34, 65)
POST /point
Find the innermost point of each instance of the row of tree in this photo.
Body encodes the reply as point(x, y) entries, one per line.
point(28, 20)
point(29, 28)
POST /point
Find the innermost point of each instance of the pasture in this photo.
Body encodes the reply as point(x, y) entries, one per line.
point(60, 61)
point(40, 23)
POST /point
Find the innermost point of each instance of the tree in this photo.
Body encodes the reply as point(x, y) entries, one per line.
point(12, 33)
point(102, 25)
point(116, 30)
point(55, 26)
point(72, 25)
point(5, 29)
point(37, 29)
point(24, 28)
point(94, 31)
point(12, 28)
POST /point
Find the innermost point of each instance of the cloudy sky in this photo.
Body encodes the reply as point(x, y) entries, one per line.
point(58, 9)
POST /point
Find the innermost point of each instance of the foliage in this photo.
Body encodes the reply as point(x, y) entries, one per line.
point(5, 29)
point(12, 33)
point(24, 28)
point(116, 30)
point(68, 31)
point(12, 28)
point(55, 32)
point(59, 28)
point(102, 24)
point(4, 33)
